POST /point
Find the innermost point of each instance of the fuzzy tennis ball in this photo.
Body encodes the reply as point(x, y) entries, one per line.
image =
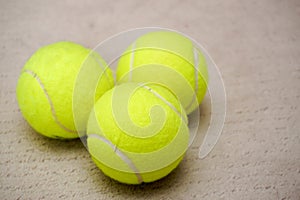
point(137, 132)
point(46, 84)
point(170, 59)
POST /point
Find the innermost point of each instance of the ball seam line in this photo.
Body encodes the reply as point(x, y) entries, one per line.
point(166, 102)
point(119, 153)
point(35, 76)
point(131, 61)
point(196, 68)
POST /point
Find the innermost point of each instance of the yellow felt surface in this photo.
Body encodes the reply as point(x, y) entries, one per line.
point(254, 43)
point(155, 152)
point(171, 51)
point(51, 78)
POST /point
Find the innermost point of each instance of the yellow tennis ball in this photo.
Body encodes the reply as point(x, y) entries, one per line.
point(45, 90)
point(137, 133)
point(170, 59)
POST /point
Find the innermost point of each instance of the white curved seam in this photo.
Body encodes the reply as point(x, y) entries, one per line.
point(35, 76)
point(131, 62)
point(166, 102)
point(196, 69)
point(196, 62)
point(119, 153)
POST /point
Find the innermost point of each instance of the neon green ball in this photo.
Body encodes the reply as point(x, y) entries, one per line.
point(46, 84)
point(170, 59)
point(137, 133)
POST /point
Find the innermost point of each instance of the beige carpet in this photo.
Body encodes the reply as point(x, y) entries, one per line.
point(256, 45)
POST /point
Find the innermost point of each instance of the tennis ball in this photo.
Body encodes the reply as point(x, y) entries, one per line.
point(137, 132)
point(170, 59)
point(46, 85)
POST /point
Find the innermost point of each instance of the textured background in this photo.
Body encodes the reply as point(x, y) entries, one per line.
point(256, 45)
